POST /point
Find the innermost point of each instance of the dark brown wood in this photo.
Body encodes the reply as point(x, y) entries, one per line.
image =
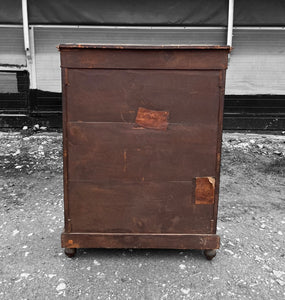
point(222, 77)
point(129, 58)
point(64, 74)
point(70, 252)
point(144, 47)
point(146, 207)
point(142, 135)
point(210, 253)
point(125, 152)
point(189, 96)
point(144, 241)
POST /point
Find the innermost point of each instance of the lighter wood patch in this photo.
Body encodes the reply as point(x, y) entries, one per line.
point(152, 119)
point(205, 190)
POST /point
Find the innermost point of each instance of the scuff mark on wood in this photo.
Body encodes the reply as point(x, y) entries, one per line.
point(122, 117)
point(71, 244)
point(68, 225)
point(212, 181)
point(125, 160)
point(152, 119)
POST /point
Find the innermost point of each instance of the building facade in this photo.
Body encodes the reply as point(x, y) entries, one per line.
point(30, 30)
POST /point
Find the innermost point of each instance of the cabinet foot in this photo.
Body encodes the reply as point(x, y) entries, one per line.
point(210, 253)
point(70, 252)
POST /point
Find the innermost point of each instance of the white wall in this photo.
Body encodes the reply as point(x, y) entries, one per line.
point(257, 64)
point(12, 46)
point(47, 56)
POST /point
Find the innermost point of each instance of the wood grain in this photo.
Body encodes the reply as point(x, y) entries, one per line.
point(124, 152)
point(142, 138)
point(125, 240)
point(115, 95)
point(205, 190)
point(152, 119)
point(137, 207)
point(172, 59)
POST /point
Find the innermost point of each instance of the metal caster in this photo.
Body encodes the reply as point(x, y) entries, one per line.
point(70, 252)
point(210, 253)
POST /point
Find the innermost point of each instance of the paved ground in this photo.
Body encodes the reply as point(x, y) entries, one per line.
point(249, 265)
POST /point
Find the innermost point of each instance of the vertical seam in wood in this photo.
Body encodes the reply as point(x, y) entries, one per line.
point(66, 77)
point(69, 226)
point(193, 191)
point(212, 225)
point(218, 147)
point(65, 150)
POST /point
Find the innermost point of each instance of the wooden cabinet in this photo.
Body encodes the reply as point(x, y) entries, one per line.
point(142, 144)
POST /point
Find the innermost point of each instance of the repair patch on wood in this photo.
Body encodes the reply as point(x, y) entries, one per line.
point(152, 119)
point(205, 190)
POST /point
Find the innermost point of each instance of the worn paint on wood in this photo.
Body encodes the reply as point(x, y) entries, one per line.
point(191, 96)
point(154, 59)
point(205, 190)
point(123, 152)
point(127, 240)
point(137, 207)
point(140, 124)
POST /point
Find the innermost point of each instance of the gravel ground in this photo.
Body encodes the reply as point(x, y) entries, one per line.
point(249, 265)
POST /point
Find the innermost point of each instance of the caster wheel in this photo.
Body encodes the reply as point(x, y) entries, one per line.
point(70, 252)
point(210, 253)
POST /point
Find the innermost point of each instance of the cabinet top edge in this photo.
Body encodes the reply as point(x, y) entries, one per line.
point(143, 47)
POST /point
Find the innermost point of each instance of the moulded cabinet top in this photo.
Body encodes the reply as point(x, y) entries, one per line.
point(126, 46)
point(171, 57)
